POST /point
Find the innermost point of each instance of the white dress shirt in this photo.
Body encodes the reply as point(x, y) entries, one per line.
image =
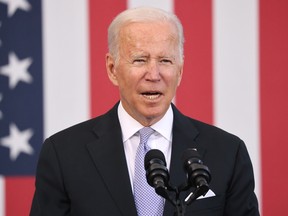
point(161, 139)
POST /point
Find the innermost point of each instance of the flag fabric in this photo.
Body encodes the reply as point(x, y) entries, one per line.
point(21, 102)
point(52, 75)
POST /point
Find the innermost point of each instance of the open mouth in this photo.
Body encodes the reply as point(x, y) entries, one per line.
point(151, 95)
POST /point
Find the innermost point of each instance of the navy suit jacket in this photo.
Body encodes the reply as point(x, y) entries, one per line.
point(82, 170)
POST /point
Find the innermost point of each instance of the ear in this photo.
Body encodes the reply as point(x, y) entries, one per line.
point(111, 69)
point(180, 73)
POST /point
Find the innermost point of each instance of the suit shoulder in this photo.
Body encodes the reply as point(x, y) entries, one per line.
point(75, 129)
point(215, 137)
point(205, 127)
point(202, 130)
point(86, 127)
point(82, 132)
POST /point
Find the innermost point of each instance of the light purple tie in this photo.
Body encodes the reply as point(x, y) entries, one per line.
point(148, 203)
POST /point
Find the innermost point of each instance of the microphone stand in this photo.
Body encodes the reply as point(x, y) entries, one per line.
point(180, 205)
point(180, 208)
point(198, 177)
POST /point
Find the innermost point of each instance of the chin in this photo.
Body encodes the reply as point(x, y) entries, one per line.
point(154, 113)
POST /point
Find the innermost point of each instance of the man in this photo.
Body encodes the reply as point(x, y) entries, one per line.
point(89, 169)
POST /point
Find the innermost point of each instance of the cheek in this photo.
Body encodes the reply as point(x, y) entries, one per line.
point(174, 80)
point(131, 77)
point(127, 83)
point(121, 76)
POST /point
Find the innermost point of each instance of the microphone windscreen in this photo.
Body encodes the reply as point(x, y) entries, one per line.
point(154, 154)
point(189, 154)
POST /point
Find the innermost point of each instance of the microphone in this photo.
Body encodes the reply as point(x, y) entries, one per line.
point(157, 175)
point(156, 172)
point(198, 175)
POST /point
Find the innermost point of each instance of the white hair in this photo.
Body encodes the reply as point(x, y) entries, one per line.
point(140, 15)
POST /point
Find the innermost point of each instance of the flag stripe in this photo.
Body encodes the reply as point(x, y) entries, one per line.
point(274, 104)
point(2, 196)
point(103, 93)
point(66, 70)
point(23, 105)
point(18, 200)
point(194, 96)
point(236, 73)
point(163, 4)
point(222, 82)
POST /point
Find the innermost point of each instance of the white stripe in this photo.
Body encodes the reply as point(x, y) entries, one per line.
point(66, 70)
point(2, 196)
point(236, 84)
point(167, 5)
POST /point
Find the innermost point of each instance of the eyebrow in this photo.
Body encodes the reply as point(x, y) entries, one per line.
point(144, 55)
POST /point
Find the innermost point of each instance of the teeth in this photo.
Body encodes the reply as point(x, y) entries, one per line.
point(152, 97)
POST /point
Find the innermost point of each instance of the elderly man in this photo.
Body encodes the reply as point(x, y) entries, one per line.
point(93, 168)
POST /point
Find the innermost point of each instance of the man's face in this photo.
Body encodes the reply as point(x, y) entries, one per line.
point(149, 69)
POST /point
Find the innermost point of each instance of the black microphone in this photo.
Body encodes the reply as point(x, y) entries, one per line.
point(156, 172)
point(198, 175)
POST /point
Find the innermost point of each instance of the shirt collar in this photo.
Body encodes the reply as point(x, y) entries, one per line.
point(130, 126)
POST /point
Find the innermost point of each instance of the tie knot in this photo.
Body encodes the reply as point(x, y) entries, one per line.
point(145, 133)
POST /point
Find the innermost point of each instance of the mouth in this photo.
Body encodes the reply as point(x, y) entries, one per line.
point(151, 95)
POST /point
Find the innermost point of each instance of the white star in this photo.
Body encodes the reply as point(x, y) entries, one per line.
point(13, 5)
point(17, 70)
point(17, 141)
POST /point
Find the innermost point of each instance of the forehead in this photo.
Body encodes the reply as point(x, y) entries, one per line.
point(147, 31)
point(150, 35)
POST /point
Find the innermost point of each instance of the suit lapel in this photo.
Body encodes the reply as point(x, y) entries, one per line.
point(184, 137)
point(108, 155)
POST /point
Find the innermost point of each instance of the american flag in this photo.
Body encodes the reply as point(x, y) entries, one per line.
point(21, 101)
point(52, 75)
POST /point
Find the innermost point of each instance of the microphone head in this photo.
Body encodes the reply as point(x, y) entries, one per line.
point(195, 169)
point(191, 155)
point(156, 171)
point(154, 156)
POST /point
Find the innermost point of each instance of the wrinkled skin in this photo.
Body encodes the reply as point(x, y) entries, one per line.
point(149, 69)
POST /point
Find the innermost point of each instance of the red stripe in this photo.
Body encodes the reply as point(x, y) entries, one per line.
point(103, 93)
point(19, 193)
point(274, 105)
point(194, 96)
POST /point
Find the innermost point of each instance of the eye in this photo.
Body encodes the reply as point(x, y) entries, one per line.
point(139, 61)
point(166, 61)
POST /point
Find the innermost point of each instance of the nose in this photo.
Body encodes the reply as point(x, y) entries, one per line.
point(153, 71)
